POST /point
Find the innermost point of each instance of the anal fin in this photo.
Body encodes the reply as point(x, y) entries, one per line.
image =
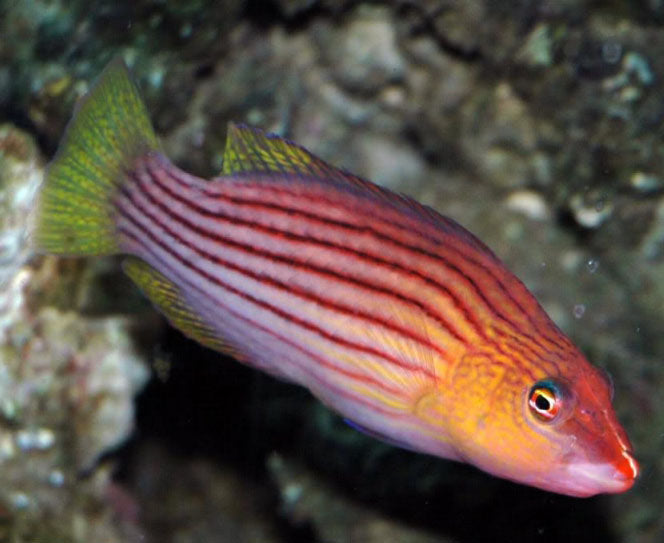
point(168, 299)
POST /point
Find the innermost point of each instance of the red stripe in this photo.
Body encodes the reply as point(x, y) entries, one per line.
point(456, 230)
point(296, 291)
point(379, 262)
point(294, 237)
point(145, 192)
point(308, 267)
point(367, 379)
point(146, 213)
point(315, 270)
point(444, 225)
point(260, 303)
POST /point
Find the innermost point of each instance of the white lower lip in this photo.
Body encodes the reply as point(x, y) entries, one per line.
point(590, 478)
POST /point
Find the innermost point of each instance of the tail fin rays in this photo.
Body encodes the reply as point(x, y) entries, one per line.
point(109, 129)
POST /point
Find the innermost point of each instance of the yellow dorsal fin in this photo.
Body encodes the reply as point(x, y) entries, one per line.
point(169, 300)
point(250, 150)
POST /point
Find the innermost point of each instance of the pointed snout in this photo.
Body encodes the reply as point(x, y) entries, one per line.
point(627, 468)
point(588, 478)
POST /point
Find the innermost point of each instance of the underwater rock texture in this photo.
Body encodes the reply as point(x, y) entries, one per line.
point(66, 383)
point(21, 172)
point(535, 124)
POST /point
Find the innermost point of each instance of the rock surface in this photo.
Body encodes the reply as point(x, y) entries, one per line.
point(67, 382)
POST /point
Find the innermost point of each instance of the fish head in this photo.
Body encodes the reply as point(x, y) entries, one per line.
point(551, 427)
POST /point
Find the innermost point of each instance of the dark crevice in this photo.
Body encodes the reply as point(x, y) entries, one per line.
point(266, 14)
point(425, 25)
point(204, 71)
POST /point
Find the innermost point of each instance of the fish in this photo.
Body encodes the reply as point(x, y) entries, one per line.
point(391, 314)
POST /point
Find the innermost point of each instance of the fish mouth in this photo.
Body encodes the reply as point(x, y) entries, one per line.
point(590, 478)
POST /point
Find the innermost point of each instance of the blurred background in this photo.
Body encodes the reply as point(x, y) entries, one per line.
point(535, 124)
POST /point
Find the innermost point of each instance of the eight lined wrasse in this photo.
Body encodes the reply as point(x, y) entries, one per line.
point(394, 316)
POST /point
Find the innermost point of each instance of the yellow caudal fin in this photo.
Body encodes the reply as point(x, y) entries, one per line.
point(109, 130)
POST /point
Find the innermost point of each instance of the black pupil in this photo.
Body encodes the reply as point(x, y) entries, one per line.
point(542, 403)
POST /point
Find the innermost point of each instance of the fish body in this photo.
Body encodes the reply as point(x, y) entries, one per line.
point(392, 315)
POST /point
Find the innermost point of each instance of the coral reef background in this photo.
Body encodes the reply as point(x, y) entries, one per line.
point(537, 125)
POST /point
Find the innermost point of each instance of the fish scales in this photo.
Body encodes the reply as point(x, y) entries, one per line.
point(394, 316)
point(322, 262)
point(364, 247)
point(258, 287)
point(288, 268)
point(329, 378)
point(440, 255)
point(315, 275)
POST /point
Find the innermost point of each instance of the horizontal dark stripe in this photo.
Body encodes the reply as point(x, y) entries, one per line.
point(505, 290)
point(316, 270)
point(371, 258)
point(377, 261)
point(366, 379)
point(351, 311)
point(521, 347)
point(260, 303)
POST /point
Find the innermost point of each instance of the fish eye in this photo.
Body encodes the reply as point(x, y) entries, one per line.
point(545, 401)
